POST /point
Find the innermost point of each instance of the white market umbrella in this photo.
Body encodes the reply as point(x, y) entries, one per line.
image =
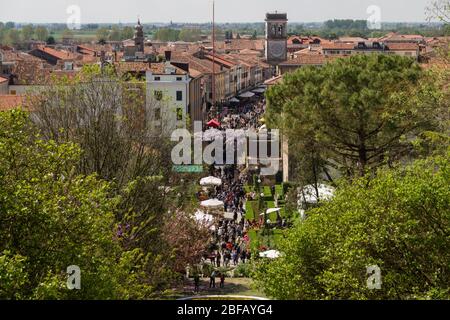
point(271, 254)
point(247, 95)
point(211, 181)
point(212, 204)
point(259, 90)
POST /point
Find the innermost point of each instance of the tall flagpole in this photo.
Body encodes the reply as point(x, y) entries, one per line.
point(213, 107)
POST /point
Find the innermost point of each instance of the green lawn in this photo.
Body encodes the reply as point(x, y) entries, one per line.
point(279, 190)
point(87, 35)
point(248, 188)
point(250, 208)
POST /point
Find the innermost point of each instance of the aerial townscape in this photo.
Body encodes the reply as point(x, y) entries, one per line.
point(267, 160)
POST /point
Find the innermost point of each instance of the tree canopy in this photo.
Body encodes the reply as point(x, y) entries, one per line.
point(52, 218)
point(354, 114)
point(398, 221)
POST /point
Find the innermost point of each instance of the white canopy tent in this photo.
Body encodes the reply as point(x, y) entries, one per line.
point(271, 254)
point(212, 204)
point(235, 100)
point(308, 194)
point(211, 181)
point(272, 210)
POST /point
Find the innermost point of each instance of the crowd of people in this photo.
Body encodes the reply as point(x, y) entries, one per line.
point(229, 240)
point(244, 116)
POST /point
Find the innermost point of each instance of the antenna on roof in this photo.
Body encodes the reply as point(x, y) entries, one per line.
point(213, 78)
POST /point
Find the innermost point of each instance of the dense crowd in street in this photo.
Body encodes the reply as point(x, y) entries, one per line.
point(230, 243)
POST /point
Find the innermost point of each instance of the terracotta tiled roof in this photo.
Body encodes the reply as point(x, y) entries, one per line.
point(248, 60)
point(402, 46)
point(204, 66)
point(194, 73)
point(220, 60)
point(13, 56)
point(241, 44)
point(306, 59)
point(124, 67)
point(249, 52)
point(3, 79)
point(338, 46)
point(352, 39)
point(312, 50)
point(159, 68)
point(59, 54)
point(9, 102)
point(33, 73)
point(393, 37)
point(302, 40)
point(30, 73)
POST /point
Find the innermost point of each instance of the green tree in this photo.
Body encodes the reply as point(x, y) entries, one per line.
point(190, 35)
point(51, 40)
point(399, 221)
point(12, 37)
point(41, 33)
point(102, 34)
point(27, 32)
point(10, 25)
point(53, 218)
point(126, 33)
point(358, 113)
point(115, 35)
point(68, 34)
point(439, 9)
point(108, 118)
point(167, 34)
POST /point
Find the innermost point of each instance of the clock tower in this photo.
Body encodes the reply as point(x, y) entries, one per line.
point(276, 37)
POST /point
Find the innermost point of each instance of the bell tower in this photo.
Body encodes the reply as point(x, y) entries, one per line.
point(139, 37)
point(276, 37)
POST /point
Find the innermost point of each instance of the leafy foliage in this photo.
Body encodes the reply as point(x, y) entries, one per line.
point(353, 115)
point(399, 220)
point(52, 218)
point(111, 122)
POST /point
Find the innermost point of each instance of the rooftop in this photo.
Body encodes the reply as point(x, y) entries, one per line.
point(9, 102)
point(59, 54)
point(305, 59)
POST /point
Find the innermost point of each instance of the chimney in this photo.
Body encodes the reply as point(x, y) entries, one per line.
point(168, 55)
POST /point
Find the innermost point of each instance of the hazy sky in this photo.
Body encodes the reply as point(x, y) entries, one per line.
point(200, 10)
